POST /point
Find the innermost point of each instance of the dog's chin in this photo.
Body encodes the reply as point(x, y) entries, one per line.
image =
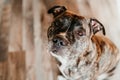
point(57, 55)
point(60, 54)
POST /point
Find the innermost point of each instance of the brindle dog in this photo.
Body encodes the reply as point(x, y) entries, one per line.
point(83, 53)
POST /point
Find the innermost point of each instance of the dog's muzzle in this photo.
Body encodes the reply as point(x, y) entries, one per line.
point(58, 44)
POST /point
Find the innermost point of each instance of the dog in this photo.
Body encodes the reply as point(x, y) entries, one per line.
point(80, 46)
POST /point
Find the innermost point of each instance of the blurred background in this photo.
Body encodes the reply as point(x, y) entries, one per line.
point(23, 40)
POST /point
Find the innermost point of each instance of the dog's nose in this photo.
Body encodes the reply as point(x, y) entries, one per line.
point(58, 42)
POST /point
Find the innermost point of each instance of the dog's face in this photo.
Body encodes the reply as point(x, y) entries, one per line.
point(69, 34)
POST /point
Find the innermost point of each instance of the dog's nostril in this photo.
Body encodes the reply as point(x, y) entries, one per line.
point(55, 40)
point(58, 42)
point(62, 43)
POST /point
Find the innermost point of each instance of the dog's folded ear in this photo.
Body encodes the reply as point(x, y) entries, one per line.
point(56, 10)
point(96, 26)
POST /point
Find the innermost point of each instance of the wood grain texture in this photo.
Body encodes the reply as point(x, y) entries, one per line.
point(28, 38)
point(4, 29)
point(15, 38)
point(14, 67)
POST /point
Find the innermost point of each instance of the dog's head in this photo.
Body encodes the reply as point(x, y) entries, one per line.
point(69, 34)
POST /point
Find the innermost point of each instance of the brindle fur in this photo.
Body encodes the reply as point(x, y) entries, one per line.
point(83, 54)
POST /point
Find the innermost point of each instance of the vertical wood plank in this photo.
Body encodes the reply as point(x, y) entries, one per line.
point(1, 6)
point(28, 39)
point(4, 70)
point(37, 40)
point(14, 67)
point(16, 26)
point(4, 29)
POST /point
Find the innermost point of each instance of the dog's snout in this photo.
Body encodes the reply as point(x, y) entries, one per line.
point(58, 42)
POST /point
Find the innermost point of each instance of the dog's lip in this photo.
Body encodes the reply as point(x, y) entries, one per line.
point(53, 50)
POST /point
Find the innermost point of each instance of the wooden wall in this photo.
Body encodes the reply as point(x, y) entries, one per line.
point(18, 39)
point(23, 39)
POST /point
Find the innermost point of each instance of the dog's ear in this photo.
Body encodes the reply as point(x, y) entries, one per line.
point(96, 26)
point(56, 10)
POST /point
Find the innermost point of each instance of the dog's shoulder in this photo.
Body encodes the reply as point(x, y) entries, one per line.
point(102, 43)
point(108, 55)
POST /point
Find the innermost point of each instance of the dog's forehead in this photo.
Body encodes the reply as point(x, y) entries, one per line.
point(67, 22)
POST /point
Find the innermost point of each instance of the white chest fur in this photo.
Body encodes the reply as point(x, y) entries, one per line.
point(77, 71)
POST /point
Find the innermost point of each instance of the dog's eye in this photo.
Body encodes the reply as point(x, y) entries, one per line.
point(80, 33)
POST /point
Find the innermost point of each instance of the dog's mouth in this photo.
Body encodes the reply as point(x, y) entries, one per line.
point(56, 50)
